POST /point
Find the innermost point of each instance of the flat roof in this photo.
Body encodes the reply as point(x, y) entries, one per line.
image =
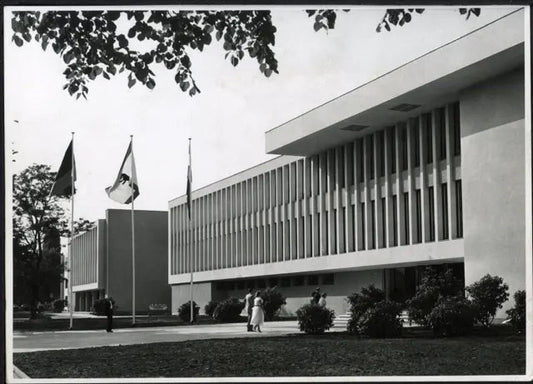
point(426, 82)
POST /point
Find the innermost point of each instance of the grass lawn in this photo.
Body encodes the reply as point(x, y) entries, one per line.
point(335, 354)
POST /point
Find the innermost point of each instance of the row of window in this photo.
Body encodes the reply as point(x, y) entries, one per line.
point(284, 282)
point(372, 215)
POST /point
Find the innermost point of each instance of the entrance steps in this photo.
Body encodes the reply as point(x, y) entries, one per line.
point(341, 321)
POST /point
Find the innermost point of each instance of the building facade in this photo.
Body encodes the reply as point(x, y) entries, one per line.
point(422, 166)
point(102, 261)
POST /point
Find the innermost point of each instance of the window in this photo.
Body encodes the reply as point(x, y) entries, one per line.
point(349, 162)
point(406, 216)
point(326, 230)
point(285, 281)
point(431, 201)
point(394, 220)
point(371, 156)
point(342, 183)
point(403, 141)
point(392, 132)
point(372, 224)
point(361, 161)
point(459, 208)
point(363, 231)
point(442, 131)
point(381, 151)
point(445, 232)
point(383, 223)
point(416, 143)
point(221, 286)
point(240, 284)
point(312, 280)
point(298, 281)
point(250, 284)
point(272, 282)
point(418, 216)
point(334, 233)
point(456, 129)
point(261, 283)
point(429, 139)
point(328, 279)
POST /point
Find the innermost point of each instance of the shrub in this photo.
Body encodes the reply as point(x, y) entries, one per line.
point(210, 308)
point(517, 315)
point(58, 305)
point(433, 286)
point(488, 294)
point(373, 315)
point(228, 310)
point(184, 311)
point(273, 300)
point(451, 316)
point(314, 319)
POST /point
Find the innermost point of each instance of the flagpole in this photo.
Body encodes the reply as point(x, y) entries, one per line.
point(132, 241)
point(71, 304)
point(191, 263)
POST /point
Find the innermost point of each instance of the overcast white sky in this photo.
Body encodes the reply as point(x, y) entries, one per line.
point(226, 121)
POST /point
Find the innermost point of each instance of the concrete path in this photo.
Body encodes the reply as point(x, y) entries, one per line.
point(52, 340)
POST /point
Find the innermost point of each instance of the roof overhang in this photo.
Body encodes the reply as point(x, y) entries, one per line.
point(424, 83)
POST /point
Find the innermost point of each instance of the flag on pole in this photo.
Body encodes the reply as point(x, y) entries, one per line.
point(125, 185)
point(189, 183)
point(65, 176)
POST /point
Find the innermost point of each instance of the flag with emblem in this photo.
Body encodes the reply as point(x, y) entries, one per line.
point(125, 189)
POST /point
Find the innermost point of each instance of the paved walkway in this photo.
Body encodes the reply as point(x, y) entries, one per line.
point(52, 340)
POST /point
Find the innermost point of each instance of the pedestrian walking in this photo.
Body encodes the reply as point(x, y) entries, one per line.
point(258, 316)
point(248, 308)
point(322, 301)
point(315, 296)
point(108, 307)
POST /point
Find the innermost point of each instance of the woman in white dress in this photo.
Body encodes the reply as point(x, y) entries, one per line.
point(258, 316)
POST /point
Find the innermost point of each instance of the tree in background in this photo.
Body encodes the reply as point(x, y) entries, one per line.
point(37, 227)
point(97, 43)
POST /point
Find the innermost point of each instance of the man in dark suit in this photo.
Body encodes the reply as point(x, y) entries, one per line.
point(109, 313)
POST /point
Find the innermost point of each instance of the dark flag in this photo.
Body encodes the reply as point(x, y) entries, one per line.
point(189, 186)
point(63, 184)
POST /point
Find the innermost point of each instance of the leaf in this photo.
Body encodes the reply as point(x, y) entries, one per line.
point(462, 11)
point(150, 84)
point(218, 35)
point(234, 61)
point(268, 72)
point(105, 75)
point(184, 85)
point(317, 26)
point(131, 82)
point(18, 41)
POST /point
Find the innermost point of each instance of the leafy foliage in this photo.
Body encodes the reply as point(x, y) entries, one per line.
point(434, 285)
point(373, 315)
point(314, 319)
point(228, 310)
point(488, 294)
point(273, 300)
point(400, 17)
point(58, 305)
point(517, 314)
point(184, 311)
point(37, 227)
point(452, 316)
point(210, 308)
point(100, 43)
point(92, 45)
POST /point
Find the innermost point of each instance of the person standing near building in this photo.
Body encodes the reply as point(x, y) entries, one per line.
point(315, 296)
point(108, 306)
point(322, 301)
point(248, 308)
point(258, 316)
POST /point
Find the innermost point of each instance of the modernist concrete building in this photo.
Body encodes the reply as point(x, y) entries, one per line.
point(424, 165)
point(102, 261)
